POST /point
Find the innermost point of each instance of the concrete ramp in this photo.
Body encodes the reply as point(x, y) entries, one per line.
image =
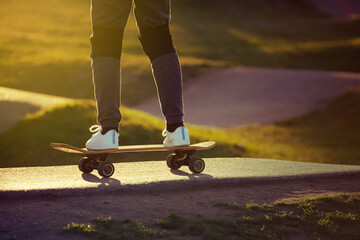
point(137, 176)
point(241, 95)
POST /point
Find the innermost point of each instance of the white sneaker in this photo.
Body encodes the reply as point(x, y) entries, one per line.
point(180, 137)
point(98, 141)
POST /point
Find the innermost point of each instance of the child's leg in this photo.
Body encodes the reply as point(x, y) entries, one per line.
point(108, 21)
point(106, 79)
point(153, 17)
point(167, 73)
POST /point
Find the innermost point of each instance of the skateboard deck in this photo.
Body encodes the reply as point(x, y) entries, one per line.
point(132, 148)
point(182, 156)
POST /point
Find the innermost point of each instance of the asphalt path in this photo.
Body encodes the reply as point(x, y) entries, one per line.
point(136, 176)
point(241, 96)
point(37, 99)
point(15, 104)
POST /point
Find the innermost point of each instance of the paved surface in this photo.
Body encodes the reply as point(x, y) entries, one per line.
point(15, 104)
point(240, 96)
point(132, 176)
point(36, 99)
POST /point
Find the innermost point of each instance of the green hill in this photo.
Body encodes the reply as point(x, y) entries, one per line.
point(328, 135)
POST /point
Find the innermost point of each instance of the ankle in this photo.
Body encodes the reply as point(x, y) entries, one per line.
point(172, 127)
point(104, 130)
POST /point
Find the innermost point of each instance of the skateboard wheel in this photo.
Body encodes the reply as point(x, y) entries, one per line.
point(84, 165)
point(196, 165)
point(172, 162)
point(106, 169)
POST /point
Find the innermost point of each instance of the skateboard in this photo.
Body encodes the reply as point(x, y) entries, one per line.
point(182, 156)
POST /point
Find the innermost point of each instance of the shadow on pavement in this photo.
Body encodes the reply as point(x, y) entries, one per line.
point(192, 176)
point(104, 182)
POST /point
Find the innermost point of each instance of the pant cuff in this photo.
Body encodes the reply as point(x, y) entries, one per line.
point(110, 123)
point(175, 119)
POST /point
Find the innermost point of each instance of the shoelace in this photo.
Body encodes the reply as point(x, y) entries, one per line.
point(95, 128)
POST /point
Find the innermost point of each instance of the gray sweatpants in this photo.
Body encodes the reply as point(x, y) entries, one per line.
point(110, 16)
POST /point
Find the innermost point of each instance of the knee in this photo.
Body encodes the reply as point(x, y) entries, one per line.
point(106, 42)
point(156, 41)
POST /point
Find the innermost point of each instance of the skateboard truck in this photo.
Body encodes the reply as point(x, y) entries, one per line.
point(92, 161)
point(183, 158)
point(183, 154)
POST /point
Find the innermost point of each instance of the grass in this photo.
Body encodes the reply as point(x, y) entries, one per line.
point(11, 237)
point(68, 123)
point(331, 217)
point(328, 135)
point(108, 228)
point(45, 45)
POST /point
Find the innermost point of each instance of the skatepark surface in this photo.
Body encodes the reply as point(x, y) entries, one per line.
point(139, 175)
point(15, 104)
point(37, 202)
point(241, 96)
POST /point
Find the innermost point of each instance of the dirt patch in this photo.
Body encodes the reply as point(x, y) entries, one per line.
point(44, 217)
